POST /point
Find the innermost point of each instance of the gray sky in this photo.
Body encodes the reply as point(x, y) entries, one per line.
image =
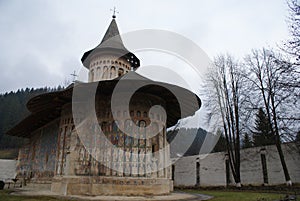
point(42, 41)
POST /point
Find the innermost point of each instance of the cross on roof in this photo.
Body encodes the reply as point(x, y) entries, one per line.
point(74, 75)
point(114, 12)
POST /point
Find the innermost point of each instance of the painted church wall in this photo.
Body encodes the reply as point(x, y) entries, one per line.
point(37, 159)
point(84, 152)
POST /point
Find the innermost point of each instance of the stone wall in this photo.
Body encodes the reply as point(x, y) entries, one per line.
point(7, 169)
point(212, 167)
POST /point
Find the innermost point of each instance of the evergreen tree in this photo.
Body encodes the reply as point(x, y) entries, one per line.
point(247, 142)
point(221, 144)
point(12, 110)
point(262, 135)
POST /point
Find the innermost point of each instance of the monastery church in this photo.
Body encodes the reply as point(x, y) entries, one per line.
point(88, 139)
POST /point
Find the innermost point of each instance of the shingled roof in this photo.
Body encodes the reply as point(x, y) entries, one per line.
point(47, 107)
point(111, 43)
point(113, 33)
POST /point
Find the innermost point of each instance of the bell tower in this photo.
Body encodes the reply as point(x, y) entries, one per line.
point(110, 59)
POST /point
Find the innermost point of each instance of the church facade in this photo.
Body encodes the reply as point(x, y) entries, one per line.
point(89, 139)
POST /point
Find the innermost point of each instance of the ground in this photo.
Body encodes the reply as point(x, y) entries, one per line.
point(219, 195)
point(239, 196)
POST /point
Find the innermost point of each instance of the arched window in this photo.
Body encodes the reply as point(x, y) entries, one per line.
point(145, 114)
point(138, 114)
point(98, 72)
point(92, 75)
point(120, 72)
point(112, 72)
point(105, 72)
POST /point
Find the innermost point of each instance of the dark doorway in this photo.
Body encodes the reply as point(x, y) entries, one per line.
point(173, 172)
point(227, 172)
point(197, 173)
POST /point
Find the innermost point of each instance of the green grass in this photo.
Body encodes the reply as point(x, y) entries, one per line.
point(5, 196)
point(218, 196)
point(9, 154)
point(238, 196)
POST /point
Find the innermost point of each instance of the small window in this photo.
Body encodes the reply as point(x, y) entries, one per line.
point(92, 75)
point(145, 114)
point(120, 72)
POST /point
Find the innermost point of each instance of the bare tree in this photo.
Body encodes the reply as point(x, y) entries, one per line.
point(292, 45)
point(225, 95)
point(268, 75)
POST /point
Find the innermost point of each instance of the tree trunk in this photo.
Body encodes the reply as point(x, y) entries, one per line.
point(278, 146)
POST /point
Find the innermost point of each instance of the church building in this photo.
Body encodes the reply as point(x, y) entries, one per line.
point(106, 136)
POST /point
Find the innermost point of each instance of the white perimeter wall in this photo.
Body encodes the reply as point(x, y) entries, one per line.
point(213, 169)
point(7, 169)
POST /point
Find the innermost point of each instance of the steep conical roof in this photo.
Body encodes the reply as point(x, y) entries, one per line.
point(112, 31)
point(112, 43)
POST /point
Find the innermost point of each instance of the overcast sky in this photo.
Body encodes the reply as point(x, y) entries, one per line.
point(42, 41)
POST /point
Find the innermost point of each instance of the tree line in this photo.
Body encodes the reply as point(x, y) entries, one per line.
point(13, 109)
point(256, 99)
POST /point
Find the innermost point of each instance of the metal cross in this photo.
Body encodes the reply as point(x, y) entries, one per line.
point(114, 12)
point(74, 76)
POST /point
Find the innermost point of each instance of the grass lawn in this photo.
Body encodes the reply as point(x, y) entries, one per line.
point(218, 196)
point(239, 196)
point(5, 196)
